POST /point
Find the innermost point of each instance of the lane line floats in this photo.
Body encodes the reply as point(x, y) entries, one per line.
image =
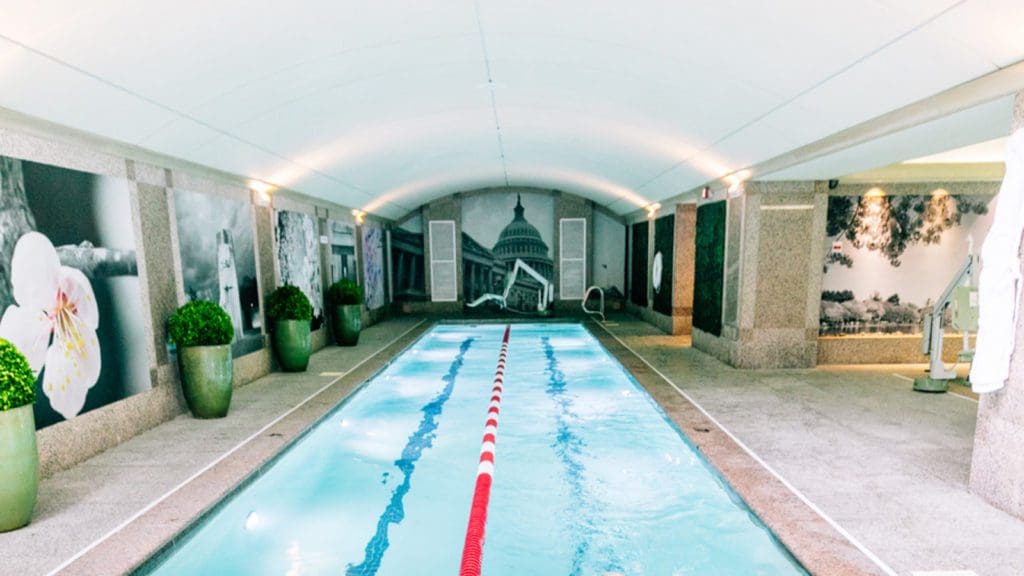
point(472, 551)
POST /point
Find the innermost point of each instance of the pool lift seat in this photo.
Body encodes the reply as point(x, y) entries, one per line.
point(545, 296)
point(962, 295)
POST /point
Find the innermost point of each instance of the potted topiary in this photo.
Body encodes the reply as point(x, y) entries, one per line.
point(347, 299)
point(290, 314)
point(203, 331)
point(19, 460)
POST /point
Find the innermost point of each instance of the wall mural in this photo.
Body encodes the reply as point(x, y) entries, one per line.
point(709, 268)
point(298, 257)
point(373, 264)
point(407, 261)
point(890, 257)
point(638, 264)
point(218, 261)
point(661, 268)
point(343, 261)
point(499, 228)
point(69, 286)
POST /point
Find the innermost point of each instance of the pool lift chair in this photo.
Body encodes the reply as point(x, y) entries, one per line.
point(962, 295)
point(545, 295)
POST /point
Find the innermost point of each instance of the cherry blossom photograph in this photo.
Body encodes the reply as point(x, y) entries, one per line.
point(69, 287)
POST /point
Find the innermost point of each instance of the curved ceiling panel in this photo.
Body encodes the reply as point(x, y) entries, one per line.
point(385, 105)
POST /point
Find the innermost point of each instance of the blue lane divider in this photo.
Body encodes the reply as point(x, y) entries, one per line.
point(568, 446)
point(419, 441)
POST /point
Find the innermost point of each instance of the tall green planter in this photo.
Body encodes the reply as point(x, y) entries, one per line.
point(19, 466)
point(206, 374)
point(292, 344)
point(347, 323)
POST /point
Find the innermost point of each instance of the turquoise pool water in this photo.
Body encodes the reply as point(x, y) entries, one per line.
point(590, 476)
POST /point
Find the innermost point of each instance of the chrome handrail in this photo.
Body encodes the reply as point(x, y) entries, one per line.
point(586, 296)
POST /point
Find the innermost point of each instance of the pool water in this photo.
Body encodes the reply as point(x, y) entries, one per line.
point(590, 476)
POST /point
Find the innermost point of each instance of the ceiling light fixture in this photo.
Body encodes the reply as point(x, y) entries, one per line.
point(261, 192)
point(652, 209)
point(359, 215)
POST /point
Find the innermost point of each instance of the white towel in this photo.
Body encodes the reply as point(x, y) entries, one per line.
point(999, 283)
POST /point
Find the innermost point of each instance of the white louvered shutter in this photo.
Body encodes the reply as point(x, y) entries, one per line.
point(572, 240)
point(443, 268)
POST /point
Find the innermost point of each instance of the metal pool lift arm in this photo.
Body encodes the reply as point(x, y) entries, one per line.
point(934, 333)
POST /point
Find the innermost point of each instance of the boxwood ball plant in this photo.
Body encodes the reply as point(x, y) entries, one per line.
point(200, 323)
point(288, 303)
point(16, 378)
point(344, 292)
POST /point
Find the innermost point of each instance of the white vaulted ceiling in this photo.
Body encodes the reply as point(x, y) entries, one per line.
point(383, 105)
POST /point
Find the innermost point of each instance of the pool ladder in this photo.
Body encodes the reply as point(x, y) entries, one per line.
point(586, 296)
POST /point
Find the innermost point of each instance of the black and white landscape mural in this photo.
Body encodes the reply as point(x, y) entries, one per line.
point(298, 257)
point(69, 286)
point(890, 257)
point(342, 260)
point(407, 260)
point(218, 260)
point(499, 228)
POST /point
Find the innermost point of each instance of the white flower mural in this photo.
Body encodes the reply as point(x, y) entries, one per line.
point(53, 300)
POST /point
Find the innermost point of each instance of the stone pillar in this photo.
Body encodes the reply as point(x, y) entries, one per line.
point(779, 277)
point(997, 464)
point(264, 244)
point(684, 246)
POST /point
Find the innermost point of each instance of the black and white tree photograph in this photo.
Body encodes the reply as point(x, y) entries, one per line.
point(69, 286)
point(218, 260)
point(298, 257)
point(890, 257)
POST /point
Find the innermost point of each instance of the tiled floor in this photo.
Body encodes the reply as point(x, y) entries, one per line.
point(887, 464)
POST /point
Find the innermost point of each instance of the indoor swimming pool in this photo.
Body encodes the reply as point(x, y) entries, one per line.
point(589, 476)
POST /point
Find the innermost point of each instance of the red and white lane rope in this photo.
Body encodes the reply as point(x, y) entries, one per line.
point(472, 551)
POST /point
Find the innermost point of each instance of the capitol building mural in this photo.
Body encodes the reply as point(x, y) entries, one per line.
point(523, 231)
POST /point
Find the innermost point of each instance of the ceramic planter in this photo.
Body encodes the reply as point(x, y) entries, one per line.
point(19, 464)
point(292, 344)
point(347, 323)
point(206, 373)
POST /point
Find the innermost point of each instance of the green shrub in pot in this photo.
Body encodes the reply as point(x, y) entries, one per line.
point(19, 459)
point(290, 314)
point(202, 332)
point(346, 299)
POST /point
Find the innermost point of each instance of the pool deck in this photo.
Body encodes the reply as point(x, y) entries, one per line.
point(884, 465)
point(888, 465)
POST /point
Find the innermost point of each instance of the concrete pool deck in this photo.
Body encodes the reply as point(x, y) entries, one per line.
point(888, 465)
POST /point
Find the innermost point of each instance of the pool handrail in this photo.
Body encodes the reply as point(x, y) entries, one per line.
point(586, 295)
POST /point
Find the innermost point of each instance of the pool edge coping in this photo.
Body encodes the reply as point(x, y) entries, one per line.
point(817, 541)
